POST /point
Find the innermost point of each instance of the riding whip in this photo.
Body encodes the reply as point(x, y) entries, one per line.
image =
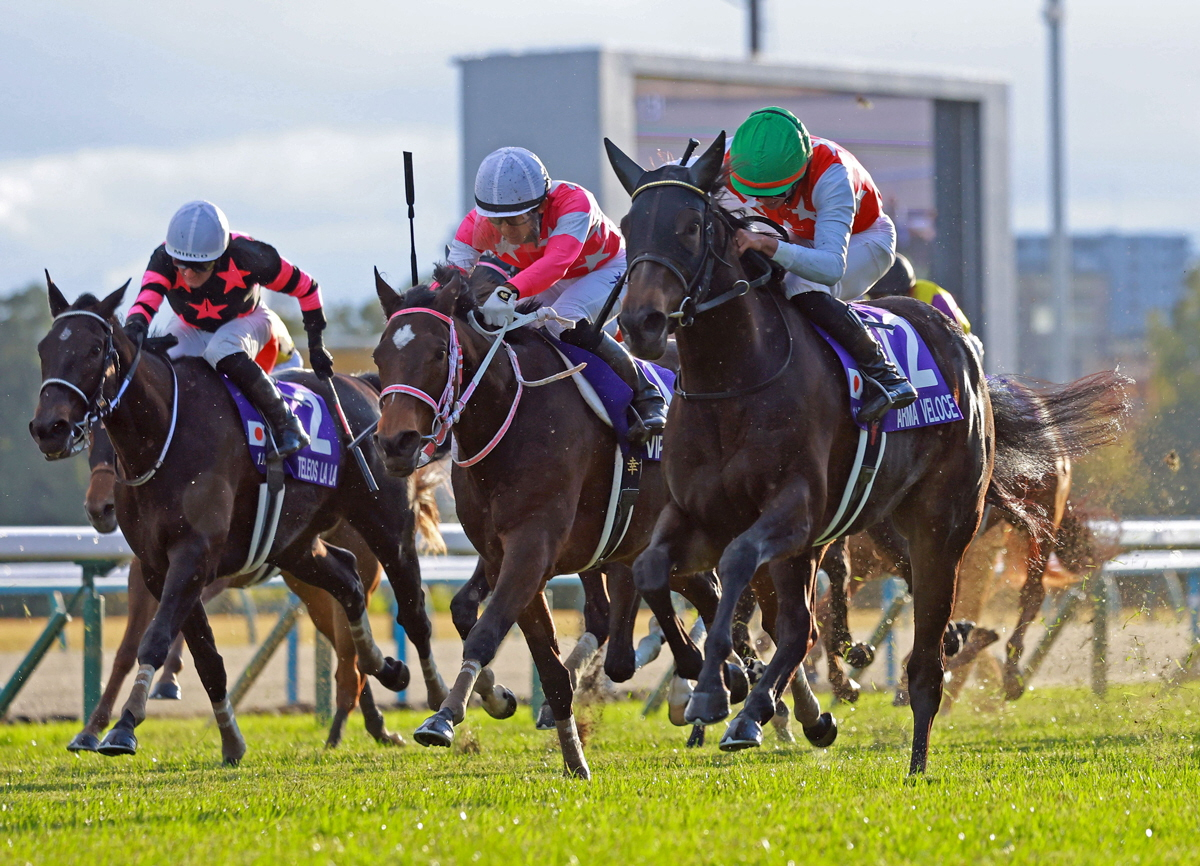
point(359, 457)
point(410, 197)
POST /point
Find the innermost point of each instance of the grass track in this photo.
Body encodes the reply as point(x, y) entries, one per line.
point(1057, 778)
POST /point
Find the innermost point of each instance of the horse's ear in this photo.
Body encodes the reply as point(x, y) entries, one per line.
point(628, 171)
point(109, 305)
point(388, 297)
point(58, 303)
point(705, 171)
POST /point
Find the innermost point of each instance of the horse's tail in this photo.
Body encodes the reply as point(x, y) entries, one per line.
point(422, 489)
point(1035, 427)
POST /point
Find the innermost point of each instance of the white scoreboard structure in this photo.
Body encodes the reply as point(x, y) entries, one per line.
point(936, 145)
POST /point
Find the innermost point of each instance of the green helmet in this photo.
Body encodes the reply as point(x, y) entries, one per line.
point(769, 153)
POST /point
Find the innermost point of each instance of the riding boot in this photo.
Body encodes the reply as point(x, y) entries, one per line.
point(891, 390)
point(260, 390)
point(648, 403)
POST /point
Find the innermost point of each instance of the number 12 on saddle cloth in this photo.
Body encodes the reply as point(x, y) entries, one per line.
point(935, 403)
point(319, 461)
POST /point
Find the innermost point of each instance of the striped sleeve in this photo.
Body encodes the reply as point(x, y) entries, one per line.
point(158, 279)
point(290, 280)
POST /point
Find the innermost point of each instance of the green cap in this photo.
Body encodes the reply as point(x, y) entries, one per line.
point(769, 153)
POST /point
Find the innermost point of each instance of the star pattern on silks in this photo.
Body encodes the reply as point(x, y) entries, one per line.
point(234, 277)
point(595, 259)
point(207, 310)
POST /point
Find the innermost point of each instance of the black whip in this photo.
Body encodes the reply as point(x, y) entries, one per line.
point(410, 197)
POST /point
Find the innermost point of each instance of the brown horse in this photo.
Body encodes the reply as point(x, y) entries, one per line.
point(761, 441)
point(531, 500)
point(189, 511)
point(325, 614)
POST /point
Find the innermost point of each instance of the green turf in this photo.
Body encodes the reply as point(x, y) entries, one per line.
point(1057, 778)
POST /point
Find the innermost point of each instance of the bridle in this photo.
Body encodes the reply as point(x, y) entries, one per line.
point(698, 288)
point(448, 408)
point(97, 407)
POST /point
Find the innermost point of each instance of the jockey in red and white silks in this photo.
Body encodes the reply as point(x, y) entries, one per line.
point(570, 257)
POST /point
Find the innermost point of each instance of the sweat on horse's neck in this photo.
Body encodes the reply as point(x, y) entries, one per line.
point(138, 426)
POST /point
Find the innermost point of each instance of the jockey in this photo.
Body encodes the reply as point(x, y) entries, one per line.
point(901, 282)
point(842, 240)
point(213, 281)
point(570, 256)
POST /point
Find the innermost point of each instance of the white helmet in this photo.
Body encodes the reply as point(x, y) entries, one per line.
point(510, 181)
point(198, 232)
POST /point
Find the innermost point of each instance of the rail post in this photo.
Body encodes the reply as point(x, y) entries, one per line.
point(1100, 603)
point(293, 662)
point(890, 594)
point(58, 619)
point(284, 629)
point(323, 659)
point(537, 695)
point(93, 635)
point(401, 638)
point(1193, 603)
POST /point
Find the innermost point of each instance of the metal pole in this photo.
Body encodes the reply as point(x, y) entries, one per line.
point(754, 22)
point(401, 639)
point(891, 612)
point(1193, 602)
point(293, 662)
point(93, 635)
point(1099, 633)
point(284, 628)
point(323, 659)
point(1066, 609)
point(58, 619)
point(250, 611)
point(1060, 251)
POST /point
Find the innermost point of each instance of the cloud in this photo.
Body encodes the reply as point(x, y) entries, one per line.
point(331, 200)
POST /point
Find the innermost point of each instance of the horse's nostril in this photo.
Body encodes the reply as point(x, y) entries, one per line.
point(654, 323)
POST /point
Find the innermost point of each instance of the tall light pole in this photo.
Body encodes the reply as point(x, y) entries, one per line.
point(1060, 249)
point(754, 27)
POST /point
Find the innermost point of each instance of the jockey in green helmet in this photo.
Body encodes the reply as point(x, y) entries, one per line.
point(841, 241)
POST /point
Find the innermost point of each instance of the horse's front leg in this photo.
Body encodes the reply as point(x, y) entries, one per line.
point(781, 530)
point(191, 565)
point(676, 546)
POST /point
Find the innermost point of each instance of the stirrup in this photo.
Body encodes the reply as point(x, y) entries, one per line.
point(289, 440)
point(900, 395)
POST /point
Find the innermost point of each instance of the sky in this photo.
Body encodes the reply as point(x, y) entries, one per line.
point(293, 115)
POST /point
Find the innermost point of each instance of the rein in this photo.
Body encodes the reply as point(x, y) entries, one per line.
point(449, 407)
point(98, 407)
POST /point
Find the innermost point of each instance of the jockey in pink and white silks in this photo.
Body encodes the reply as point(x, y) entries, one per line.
point(841, 241)
point(570, 256)
point(213, 280)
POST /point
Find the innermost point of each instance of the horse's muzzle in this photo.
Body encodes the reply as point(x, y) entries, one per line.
point(401, 452)
point(645, 332)
point(53, 436)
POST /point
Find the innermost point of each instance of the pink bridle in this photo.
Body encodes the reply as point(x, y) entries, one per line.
point(447, 409)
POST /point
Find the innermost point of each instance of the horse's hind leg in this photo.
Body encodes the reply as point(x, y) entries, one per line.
point(387, 528)
point(621, 661)
point(373, 718)
point(167, 687)
point(833, 613)
point(538, 627)
point(142, 606)
point(595, 634)
point(1033, 593)
point(333, 569)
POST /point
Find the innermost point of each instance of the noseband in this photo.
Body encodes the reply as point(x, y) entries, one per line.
point(98, 407)
point(697, 288)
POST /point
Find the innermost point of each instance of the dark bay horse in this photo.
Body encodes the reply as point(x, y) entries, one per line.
point(324, 612)
point(189, 511)
point(761, 442)
point(532, 486)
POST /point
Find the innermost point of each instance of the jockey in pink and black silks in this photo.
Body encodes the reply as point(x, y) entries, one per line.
point(570, 256)
point(213, 281)
point(840, 241)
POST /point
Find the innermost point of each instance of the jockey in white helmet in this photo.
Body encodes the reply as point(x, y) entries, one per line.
point(570, 256)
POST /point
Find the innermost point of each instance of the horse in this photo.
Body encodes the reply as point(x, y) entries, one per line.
point(189, 495)
point(325, 614)
point(533, 477)
point(761, 442)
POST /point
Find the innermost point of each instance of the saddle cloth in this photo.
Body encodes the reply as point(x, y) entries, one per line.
point(614, 395)
point(319, 461)
point(935, 403)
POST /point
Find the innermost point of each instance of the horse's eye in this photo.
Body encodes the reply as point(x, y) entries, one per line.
point(95, 350)
point(439, 355)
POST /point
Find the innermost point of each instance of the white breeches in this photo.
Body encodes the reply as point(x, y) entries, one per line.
point(249, 333)
point(578, 298)
point(868, 257)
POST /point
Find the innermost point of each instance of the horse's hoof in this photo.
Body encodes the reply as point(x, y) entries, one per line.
point(860, 656)
point(900, 699)
point(394, 675)
point(231, 760)
point(166, 692)
point(824, 732)
point(1014, 686)
point(696, 739)
point(545, 718)
point(707, 708)
point(737, 681)
point(84, 741)
point(391, 738)
point(120, 741)
point(620, 667)
point(755, 670)
point(437, 730)
point(506, 709)
point(743, 733)
point(847, 690)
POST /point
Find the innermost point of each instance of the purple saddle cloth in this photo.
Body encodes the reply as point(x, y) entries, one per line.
point(320, 460)
point(616, 395)
point(935, 403)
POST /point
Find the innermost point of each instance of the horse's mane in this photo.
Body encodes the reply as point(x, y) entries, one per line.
point(84, 301)
point(425, 294)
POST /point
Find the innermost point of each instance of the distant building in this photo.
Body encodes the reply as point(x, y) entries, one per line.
point(1119, 281)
